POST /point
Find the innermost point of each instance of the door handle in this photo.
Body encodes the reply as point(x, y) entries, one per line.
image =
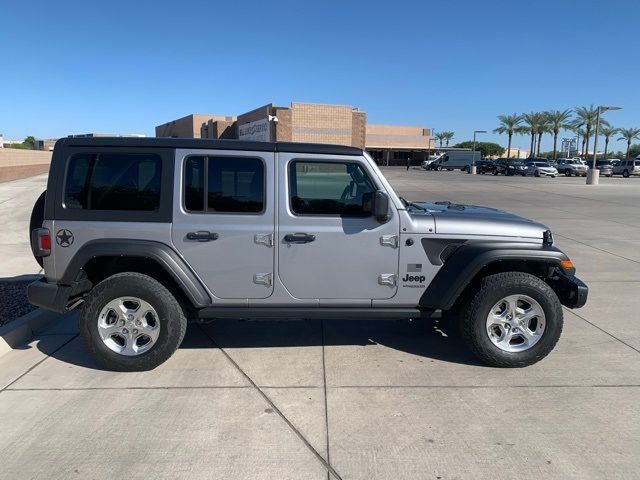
point(299, 238)
point(202, 236)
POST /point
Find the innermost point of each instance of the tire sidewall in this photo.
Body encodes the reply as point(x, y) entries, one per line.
point(541, 293)
point(170, 317)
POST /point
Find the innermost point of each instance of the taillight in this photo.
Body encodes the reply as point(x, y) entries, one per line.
point(45, 242)
point(41, 242)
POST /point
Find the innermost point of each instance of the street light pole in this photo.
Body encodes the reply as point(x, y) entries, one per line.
point(593, 175)
point(472, 169)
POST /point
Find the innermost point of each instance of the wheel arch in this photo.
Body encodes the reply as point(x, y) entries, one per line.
point(473, 261)
point(99, 259)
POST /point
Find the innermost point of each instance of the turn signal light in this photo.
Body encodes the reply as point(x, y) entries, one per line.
point(567, 265)
point(41, 242)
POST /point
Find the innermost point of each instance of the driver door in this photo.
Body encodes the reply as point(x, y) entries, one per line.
point(330, 246)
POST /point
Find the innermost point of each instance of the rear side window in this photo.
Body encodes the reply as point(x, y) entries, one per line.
point(224, 185)
point(329, 188)
point(113, 181)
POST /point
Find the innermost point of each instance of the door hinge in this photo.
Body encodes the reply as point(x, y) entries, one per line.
point(387, 279)
point(389, 240)
point(263, 279)
point(264, 239)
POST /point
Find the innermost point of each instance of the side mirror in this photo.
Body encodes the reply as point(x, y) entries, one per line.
point(381, 206)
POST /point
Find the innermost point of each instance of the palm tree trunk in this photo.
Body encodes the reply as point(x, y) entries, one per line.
point(533, 139)
point(509, 147)
point(586, 145)
point(555, 145)
point(606, 147)
point(628, 148)
point(539, 142)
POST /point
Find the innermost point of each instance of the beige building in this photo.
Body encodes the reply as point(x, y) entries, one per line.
point(309, 122)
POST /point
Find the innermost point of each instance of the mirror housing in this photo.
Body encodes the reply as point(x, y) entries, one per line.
point(381, 206)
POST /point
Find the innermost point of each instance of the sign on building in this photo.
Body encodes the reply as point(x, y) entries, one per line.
point(257, 131)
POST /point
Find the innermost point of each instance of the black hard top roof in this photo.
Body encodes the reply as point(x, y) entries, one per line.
point(156, 142)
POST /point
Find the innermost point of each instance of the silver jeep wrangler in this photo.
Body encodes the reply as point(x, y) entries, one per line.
point(143, 234)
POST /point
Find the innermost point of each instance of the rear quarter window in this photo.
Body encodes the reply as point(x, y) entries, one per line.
point(113, 181)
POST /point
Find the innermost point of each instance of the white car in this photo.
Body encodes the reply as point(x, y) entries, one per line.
point(541, 169)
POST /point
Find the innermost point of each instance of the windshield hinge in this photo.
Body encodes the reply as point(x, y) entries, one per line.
point(389, 241)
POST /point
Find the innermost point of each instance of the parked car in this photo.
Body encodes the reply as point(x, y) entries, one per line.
point(626, 168)
point(541, 169)
point(144, 234)
point(572, 166)
point(456, 161)
point(509, 166)
point(605, 167)
point(484, 166)
point(426, 164)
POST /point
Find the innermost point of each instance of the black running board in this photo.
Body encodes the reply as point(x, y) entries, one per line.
point(339, 313)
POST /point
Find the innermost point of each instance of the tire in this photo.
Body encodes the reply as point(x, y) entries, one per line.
point(37, 217)
point(536, 173)
point(495, 171)
point(466, 169)
point(625, 173)
point(493, 288)
point(567, 172)
point(439, 168)
point(171, 321)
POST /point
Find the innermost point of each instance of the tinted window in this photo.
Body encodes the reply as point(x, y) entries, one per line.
point(233, 184)
point(113, 181)
point(329, 188)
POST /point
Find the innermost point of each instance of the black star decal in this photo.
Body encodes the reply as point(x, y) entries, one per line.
point(64, 238)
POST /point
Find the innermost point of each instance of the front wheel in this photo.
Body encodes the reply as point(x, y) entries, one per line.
point(513, 320)
point(625, 174)
point(536, 173)
point(567, 172)
point(495, 171)
point(131, 322)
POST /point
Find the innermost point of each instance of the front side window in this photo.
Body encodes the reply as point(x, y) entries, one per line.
point(329, 188)
point(113, 181)
point(224, 184)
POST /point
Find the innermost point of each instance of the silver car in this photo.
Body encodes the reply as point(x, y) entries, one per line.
point(626, 168)
point(541, 169)
point(570, 166)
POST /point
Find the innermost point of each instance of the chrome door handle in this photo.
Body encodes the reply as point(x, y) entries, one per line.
point(299, 238)
point(202, 236)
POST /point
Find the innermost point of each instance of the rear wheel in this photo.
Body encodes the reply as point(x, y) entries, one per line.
point(536, 173)
point(514, 320)
point(625, 174)
point(131, 322)
point(439, 168)
point(567, 172)
point(495, 171)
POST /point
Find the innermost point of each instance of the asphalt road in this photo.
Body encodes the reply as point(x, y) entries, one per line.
point(359, 400)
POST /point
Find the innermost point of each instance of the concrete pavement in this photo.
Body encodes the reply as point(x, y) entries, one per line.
point(359, 400)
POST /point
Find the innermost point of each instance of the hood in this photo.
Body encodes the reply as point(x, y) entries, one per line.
point(474, 220)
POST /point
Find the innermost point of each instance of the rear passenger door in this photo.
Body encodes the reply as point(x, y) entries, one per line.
point(223, 224)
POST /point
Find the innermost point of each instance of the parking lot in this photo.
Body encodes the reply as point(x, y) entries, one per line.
point(353, 399)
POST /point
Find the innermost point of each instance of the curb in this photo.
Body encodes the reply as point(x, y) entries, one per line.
point(21, 331)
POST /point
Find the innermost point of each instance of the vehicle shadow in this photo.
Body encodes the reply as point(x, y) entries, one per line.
point(429, 338)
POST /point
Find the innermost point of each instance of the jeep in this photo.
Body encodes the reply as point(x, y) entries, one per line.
point(143, 234)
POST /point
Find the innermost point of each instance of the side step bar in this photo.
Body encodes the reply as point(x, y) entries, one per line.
point(328, 313)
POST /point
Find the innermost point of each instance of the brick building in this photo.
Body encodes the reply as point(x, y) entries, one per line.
point(309, 122)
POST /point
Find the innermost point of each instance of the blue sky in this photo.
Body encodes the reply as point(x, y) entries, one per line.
point(124, 67)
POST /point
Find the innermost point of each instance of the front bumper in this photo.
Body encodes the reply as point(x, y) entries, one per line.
point(572, 292)
point(49, 296)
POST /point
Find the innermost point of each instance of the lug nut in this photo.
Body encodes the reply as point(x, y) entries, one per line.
point(129, 317)
point(125, 331)
point(138, 322)
point(135, 331)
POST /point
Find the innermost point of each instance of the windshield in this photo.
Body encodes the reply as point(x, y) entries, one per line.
point(542, 164)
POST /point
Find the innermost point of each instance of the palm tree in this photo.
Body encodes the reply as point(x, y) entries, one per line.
point(543, 127)
point(531, 123)
point(448, 136)
point(607, 132)
point(582, 133)
point(558, 120)
point(509, 125)
point(441, 136)
point(629, 134)
point(587, 117)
